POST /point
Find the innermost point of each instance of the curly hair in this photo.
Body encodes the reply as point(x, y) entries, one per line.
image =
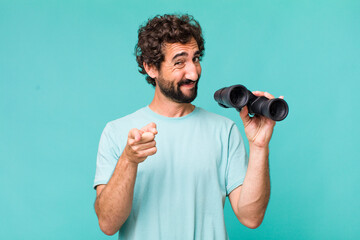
point(165, 29)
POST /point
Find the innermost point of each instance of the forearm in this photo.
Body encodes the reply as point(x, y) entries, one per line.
point(113, 204)
point(255, 191)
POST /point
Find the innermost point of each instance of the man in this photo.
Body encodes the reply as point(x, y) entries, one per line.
point(164, 171)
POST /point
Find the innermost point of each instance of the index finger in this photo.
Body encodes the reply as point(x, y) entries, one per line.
point(151, 127)
point(263, 94)
point(147, 137)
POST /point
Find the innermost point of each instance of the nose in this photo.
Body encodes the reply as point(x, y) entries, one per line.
point(193, 71)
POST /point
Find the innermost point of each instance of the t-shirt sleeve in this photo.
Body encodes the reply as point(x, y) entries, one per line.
point(107, 157)
point(237, 161)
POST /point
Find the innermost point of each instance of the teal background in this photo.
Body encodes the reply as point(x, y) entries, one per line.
point(67, 68)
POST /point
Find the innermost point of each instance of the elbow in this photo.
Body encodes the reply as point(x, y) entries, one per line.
point(108, 227)
point(252, 222)
point(108, 232)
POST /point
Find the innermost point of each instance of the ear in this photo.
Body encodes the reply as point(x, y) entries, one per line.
point(151, 70)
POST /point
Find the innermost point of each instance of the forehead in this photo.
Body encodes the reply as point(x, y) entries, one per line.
point(172, 49)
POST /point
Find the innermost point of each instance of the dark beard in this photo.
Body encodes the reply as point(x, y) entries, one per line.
point(174, 93)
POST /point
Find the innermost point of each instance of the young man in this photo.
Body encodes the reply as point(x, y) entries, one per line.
point(164, 171)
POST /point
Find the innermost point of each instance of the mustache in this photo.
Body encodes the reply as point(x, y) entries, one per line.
point(187, 81)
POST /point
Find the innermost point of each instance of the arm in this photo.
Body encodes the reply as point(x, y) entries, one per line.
point(114, 200)
point(250, 200)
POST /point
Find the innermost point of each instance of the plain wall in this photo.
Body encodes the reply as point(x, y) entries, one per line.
point(67, 68)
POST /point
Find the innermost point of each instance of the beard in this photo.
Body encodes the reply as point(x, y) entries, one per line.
point(173, 91)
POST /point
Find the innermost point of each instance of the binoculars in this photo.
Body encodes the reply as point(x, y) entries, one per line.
point(238, 96)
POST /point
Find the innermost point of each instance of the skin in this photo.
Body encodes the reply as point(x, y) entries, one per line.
point(249, 201)
point(114, 200)
point(185, 65)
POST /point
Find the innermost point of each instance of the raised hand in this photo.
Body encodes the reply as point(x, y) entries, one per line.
point(258, 129)
point(141, 143)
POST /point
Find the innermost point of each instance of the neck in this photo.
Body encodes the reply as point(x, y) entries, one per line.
point(168, 108)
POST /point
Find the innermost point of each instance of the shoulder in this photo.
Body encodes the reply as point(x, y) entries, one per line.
point(215, 118)
point(126, 120)
point(125, 123)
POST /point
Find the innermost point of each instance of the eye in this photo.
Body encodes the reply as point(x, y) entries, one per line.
point(196, 59)
point(178, 63)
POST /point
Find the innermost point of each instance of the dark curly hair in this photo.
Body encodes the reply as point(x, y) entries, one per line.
point(165, 29)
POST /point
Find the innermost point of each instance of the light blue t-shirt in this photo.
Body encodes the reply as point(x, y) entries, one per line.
point(180, 191)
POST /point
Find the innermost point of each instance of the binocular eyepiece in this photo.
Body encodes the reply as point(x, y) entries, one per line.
point(238, 96)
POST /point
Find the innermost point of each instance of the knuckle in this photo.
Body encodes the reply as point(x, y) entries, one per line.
point(135, 148)
point(154, 150)
point(139, 155)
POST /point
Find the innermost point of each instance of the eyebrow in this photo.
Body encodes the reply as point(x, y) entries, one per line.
point(181, 54)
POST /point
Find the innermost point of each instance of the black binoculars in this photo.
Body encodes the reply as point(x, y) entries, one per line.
point(238, 96)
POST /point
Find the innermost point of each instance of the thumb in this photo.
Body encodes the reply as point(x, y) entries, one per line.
point(244, 114)
point(135, 134)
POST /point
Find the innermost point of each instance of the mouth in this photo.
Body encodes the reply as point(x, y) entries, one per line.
point(188, 83)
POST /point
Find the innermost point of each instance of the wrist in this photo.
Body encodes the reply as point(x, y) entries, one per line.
point(259, 155)
point(128, 161)
point(259, 149)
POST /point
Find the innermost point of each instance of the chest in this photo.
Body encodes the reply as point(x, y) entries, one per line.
point(186, 158)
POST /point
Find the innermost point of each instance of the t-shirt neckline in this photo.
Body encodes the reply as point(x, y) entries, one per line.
point(159, 116)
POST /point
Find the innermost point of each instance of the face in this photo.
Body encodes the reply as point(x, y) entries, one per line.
point(180, 72)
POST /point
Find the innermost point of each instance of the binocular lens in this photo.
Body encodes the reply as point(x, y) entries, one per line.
point(237, 94)
point(278, 109)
